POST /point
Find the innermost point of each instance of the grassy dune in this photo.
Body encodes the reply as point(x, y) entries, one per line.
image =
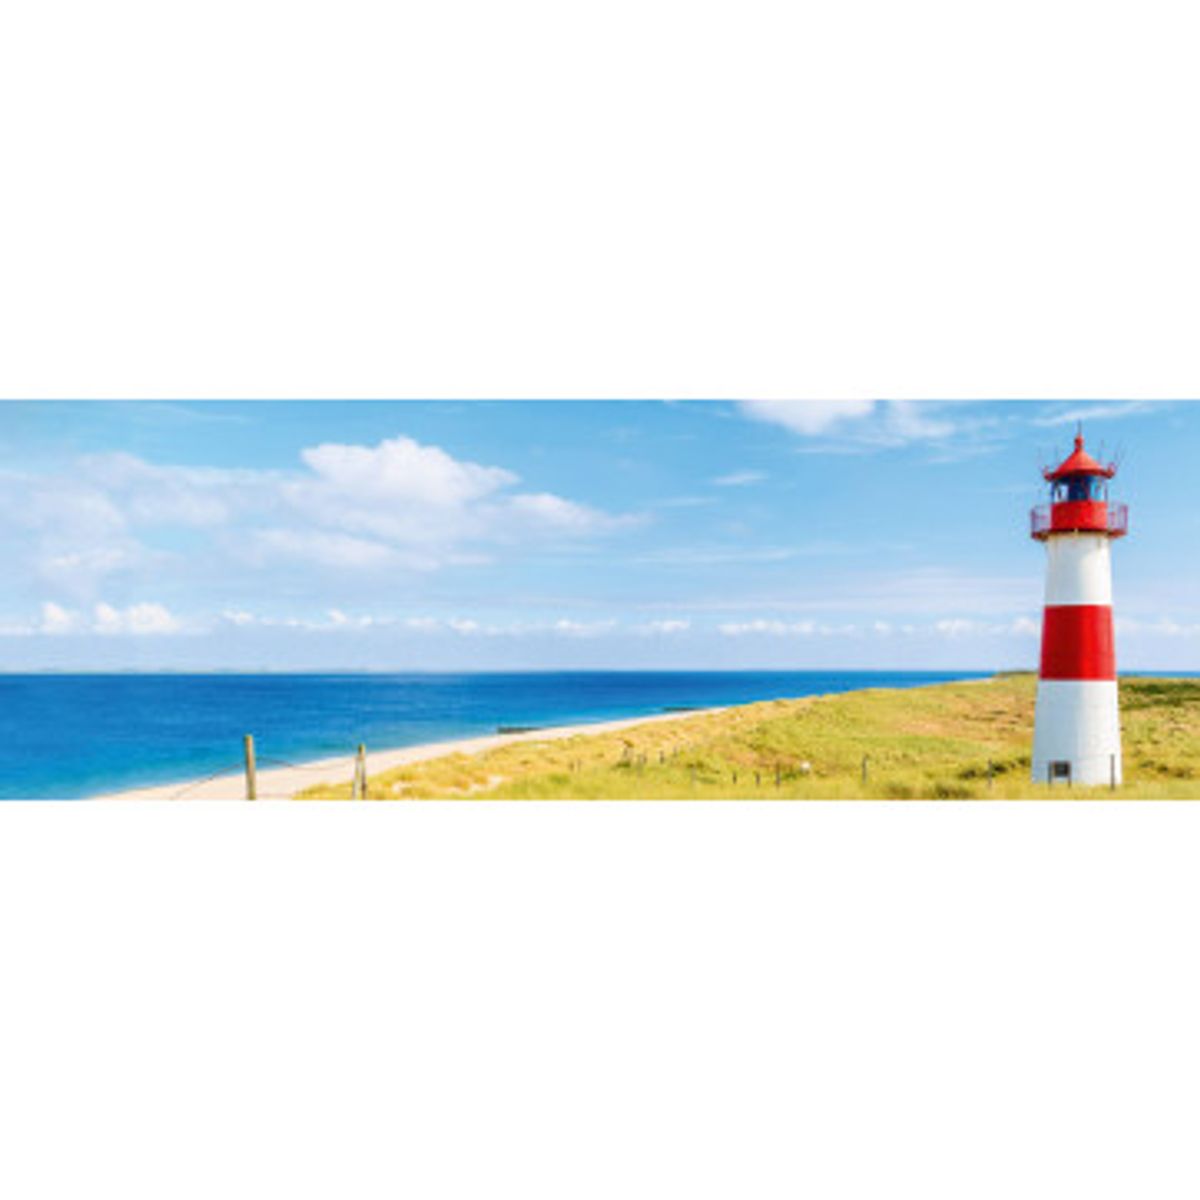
point(923, 743)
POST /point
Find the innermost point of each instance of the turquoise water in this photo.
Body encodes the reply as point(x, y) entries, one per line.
point(70, 736)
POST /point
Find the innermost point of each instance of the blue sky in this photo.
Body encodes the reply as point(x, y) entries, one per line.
point(550, 535)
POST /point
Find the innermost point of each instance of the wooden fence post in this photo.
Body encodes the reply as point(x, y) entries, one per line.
point(251, 769)
point(990, 773)
point(864, 769)
point(358, 790)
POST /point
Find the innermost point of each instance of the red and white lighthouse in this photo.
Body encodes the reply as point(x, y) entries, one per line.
point(1077, 729)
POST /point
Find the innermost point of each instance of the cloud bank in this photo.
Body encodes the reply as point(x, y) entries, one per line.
point(395, 506)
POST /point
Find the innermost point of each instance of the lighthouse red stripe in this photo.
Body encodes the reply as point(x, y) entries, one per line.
point(1077, 642)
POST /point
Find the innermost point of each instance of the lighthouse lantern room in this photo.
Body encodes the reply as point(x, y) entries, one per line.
point(1077, 730)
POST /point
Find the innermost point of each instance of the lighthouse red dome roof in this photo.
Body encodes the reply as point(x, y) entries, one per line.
point(1080, 462)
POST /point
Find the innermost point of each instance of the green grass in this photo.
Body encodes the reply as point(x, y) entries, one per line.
point(921, 743)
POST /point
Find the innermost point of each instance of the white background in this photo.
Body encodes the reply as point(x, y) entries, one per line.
point(628, 198)
point(650, 199)
point(594, 1001)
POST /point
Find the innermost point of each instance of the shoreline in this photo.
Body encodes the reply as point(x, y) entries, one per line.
point(282, 783)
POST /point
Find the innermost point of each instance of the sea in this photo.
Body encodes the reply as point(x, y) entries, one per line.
point(73, 736)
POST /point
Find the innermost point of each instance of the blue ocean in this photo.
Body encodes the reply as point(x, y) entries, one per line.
point(72, 736)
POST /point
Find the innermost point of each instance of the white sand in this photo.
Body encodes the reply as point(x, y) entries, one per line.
point(283, 783)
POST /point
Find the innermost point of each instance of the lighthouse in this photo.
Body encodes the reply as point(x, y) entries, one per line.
point(1077, 729)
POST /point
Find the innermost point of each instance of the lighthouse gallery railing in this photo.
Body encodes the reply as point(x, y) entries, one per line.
point(1041, 521)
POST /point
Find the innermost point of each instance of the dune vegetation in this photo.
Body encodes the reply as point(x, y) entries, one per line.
point(956, 741)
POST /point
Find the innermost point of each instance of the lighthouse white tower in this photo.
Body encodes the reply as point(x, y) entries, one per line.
point(1077, 730)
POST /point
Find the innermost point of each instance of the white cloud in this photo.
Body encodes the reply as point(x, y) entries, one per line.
point(959, 627)
point(339, 620)
point(148, 494)
point(583, 628)
point(774, 628)
point(667, 627)
point(402, 470)
point(553, 512)
point(90, 563)
point(423, 505)
point(56, 619)
point(137, 619)
point(807, 417)
point(912, 421)
point(107, 619)
point(740, 478)
point(1104, 410)
point(333, 621)
point(65, 531)
point(64, 506)
point(321, 548)
point(397, 505)
point(947, 627)
point(955, 627)
point(858, 426)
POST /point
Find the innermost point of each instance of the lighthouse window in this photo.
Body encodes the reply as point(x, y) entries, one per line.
point(1080, 487)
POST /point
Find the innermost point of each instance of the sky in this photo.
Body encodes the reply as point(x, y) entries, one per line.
point(555, 535)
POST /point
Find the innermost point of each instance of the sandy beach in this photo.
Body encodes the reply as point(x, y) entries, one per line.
point(283, 783)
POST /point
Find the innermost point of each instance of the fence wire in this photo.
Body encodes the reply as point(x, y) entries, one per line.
point(779, 773)
point(236, 774)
